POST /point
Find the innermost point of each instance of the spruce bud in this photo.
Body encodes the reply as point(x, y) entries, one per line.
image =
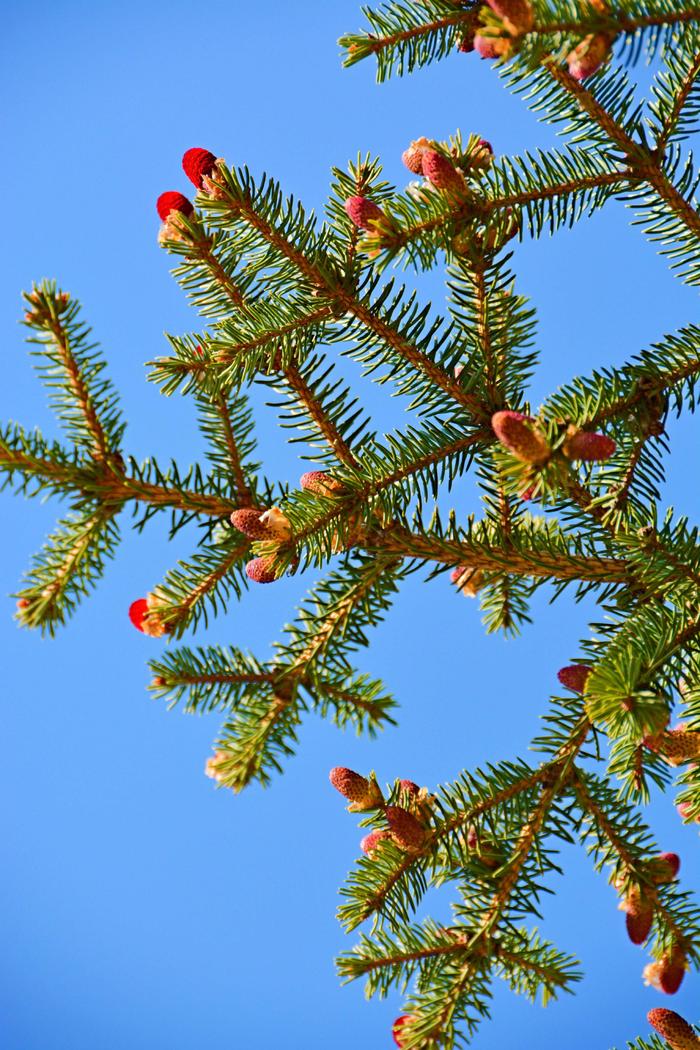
point(664, 868)
point(582, 445)
point(370, 842)
point(397, 1028)
point(574, 677)
point(666, 974)
point(320, 483)
point(520, 436)
point(144, 618)
point(413, 156)
point(442, 173)
point(362, 793)
point(173, 201)
point(271, 524)
point(678, 745)
point(365, 214)
point(261, 570)
point(406, 830)
point(198, 163)
point(639, 915)
point(589, 55)
point(409, 786)
point(674, 1029)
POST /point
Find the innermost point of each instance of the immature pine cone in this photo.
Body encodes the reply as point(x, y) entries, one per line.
point(406, 831)
point(197, 163)
point(591, 448)
point(574, 677)
point(674, 1029)
point(365, 214)
point(261, 570)
point(639, 916)
point(362, 793)
point(370, 842)
point(441, 172)
point(320, 483)
point(413, 156)
point(171, 201)
point(519, 435)
point(667, 973)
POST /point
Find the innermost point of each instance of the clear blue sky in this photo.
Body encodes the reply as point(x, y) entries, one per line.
point(139, 907)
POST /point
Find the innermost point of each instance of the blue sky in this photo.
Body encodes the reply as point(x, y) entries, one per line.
point(140, 907)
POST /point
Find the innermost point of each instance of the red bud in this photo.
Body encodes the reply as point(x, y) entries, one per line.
point(588, 447)
point(406, 830)
point(441, 172)
point(674, 1029)
point(261, 570)
point(574, 677)
point(197, 163)
point(173, 201)
point(364, 213)
point(519, 435)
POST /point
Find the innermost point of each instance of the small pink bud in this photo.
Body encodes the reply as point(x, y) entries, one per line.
point(256, 524)
point(666, 975)
point(521, 437)
point(365, 214)
point(397, 1028)
point(362, 793)
point(665, 867)
point(410, 786)
point(197, 163)
point(588, 56)
point(574, 677)
point(588, 447)
point(370, 842)
point(674, 1029)
point(639, 917)
point(406, 830)
point(413, 156)
point(481, 155)
point(261, 570)
point(320, 483)
point(442, 173)
point(173, 201)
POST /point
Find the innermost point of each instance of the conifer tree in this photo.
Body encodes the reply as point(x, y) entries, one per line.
point(570, 493)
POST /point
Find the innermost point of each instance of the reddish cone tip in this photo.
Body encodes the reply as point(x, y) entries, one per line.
point(674, 1028)
point(197, 163)
point(574, 677)
point(441, 172)
point(397, 1026)
point(639, 920)
point(138, 611)
point(371, 841)
point(170, 201)
point(261, 570)
point(410, 786)
point(673, 862)
point(363, 212)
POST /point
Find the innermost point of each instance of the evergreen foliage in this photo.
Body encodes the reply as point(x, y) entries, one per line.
point(570, 489)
